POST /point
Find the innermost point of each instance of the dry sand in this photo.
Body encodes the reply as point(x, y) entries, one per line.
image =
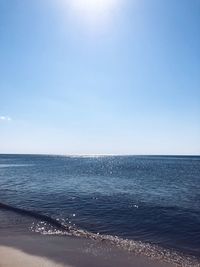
point(10, 257)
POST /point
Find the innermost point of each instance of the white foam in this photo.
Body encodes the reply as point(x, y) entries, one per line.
point(136, 247)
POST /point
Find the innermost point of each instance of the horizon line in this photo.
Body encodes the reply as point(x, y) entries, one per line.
point(103, 155)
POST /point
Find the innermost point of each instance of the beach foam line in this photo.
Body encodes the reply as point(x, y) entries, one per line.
point(137, 247)
point(13, 257)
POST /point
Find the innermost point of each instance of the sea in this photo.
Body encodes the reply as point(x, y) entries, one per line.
point(144, 204)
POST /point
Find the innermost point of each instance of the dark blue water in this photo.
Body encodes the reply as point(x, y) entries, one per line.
point(153, 199)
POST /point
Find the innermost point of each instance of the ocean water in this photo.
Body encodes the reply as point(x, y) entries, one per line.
point(147, 204)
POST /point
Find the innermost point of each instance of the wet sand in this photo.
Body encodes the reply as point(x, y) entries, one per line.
point(40, 250)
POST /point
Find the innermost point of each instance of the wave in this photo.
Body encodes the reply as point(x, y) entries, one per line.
point(136, 247)
point(35, 215)
point(15, 165)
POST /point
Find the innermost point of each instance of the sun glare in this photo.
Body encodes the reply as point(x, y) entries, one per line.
point(92, 6)
point(93, 11)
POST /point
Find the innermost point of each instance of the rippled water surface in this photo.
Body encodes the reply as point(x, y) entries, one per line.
point(153, 199)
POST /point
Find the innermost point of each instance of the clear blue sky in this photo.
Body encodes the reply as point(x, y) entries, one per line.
point(110, 77)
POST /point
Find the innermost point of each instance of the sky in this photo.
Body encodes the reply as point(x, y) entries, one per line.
point(100, 77)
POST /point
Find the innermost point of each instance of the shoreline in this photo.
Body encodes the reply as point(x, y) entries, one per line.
point(50, 250)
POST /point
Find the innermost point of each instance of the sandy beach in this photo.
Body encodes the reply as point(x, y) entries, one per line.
point(15, 257)
point(37, 250)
